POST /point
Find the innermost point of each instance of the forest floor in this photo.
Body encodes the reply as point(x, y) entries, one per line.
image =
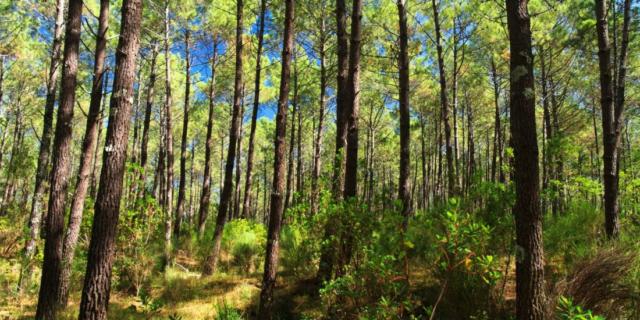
point(182, 294)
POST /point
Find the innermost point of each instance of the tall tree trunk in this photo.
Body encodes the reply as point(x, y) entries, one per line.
point(496, 168)
point(405, 132)
point(61, 168)
point(353, 108)
point(292, 139)
point(94, 169)
point(444, 104)
point(317, 146)
point(88, 145)
point(471, 143)
point(353, 105)
point(265, 310)
point(42, 171)
point(610, 154)
point(226, 194)
point(147, 119)
point(183, 145)
point(97, 281)
point(423, 157)
point(168, 102)
point(530, 300)
point(233, 214)
point(254, 114)
point(327, 257)
point(205, 195)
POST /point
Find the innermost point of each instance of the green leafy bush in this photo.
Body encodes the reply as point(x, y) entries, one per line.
point(243, 244)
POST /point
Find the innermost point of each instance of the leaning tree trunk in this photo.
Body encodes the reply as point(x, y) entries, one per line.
point(36, 213)
point(444, 104)
point(61, 169)
point(226, 194)
point(168, 142)
point(183, 145)
point(88, 145)
point(265, 311)
point(97, 281)
point(530, 297)
point(254, 114)
point(205, 194)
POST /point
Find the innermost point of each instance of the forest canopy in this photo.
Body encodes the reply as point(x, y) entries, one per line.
point(328, 159)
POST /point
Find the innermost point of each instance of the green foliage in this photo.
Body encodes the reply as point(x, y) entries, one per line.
point(244, 243)
point(226, 312)
point(566, 310)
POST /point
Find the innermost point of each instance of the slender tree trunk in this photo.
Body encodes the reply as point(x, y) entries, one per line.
point(42, 171)
point(423, 158)
point(94, 170)
point(405, 132)
point(451, 187)
point(327, 258)
point(97, 281)
point(205, 195)
point(317, 146)
point(292, 139)
point(496, 168)
point(353, 105)
point(530, 300)
point(233, 214)
point(168, 103)
point(254, 114)
point(227, 189)
point(88, 145)
point(265, 311)
point(61, 168)
point(147, 120)
point(610, 153)
point(183, 145)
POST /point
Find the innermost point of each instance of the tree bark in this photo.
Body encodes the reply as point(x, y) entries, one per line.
point(97, 283)
point(183, 145)
point(147, 120)
point(205, 194)
point(530, 297)
point(444, 104)
point(254, 114)
point(42, 171)
point(405, 132)
point(327, 257)
point(88, 146)
point(61, 168)
point(353, 104)
point(292, 139)
point(225, 196)
point(265, 310)
point(168, 102)
point(317, 146)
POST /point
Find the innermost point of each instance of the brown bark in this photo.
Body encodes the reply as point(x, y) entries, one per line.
point(530, 297)
point(353, 104)
point(294, 113)
point(97, 283)
point(405, 132)
point(61, 168)
point(444, 104)
point(147, 120)
point(88, 146)
point(265, 310)
point(205, 194)
point(327, 257)
point(36, 214)
point(168, 142)
point(317, 145)
point(183, 145)
point(226, 194)
point(254, 114)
